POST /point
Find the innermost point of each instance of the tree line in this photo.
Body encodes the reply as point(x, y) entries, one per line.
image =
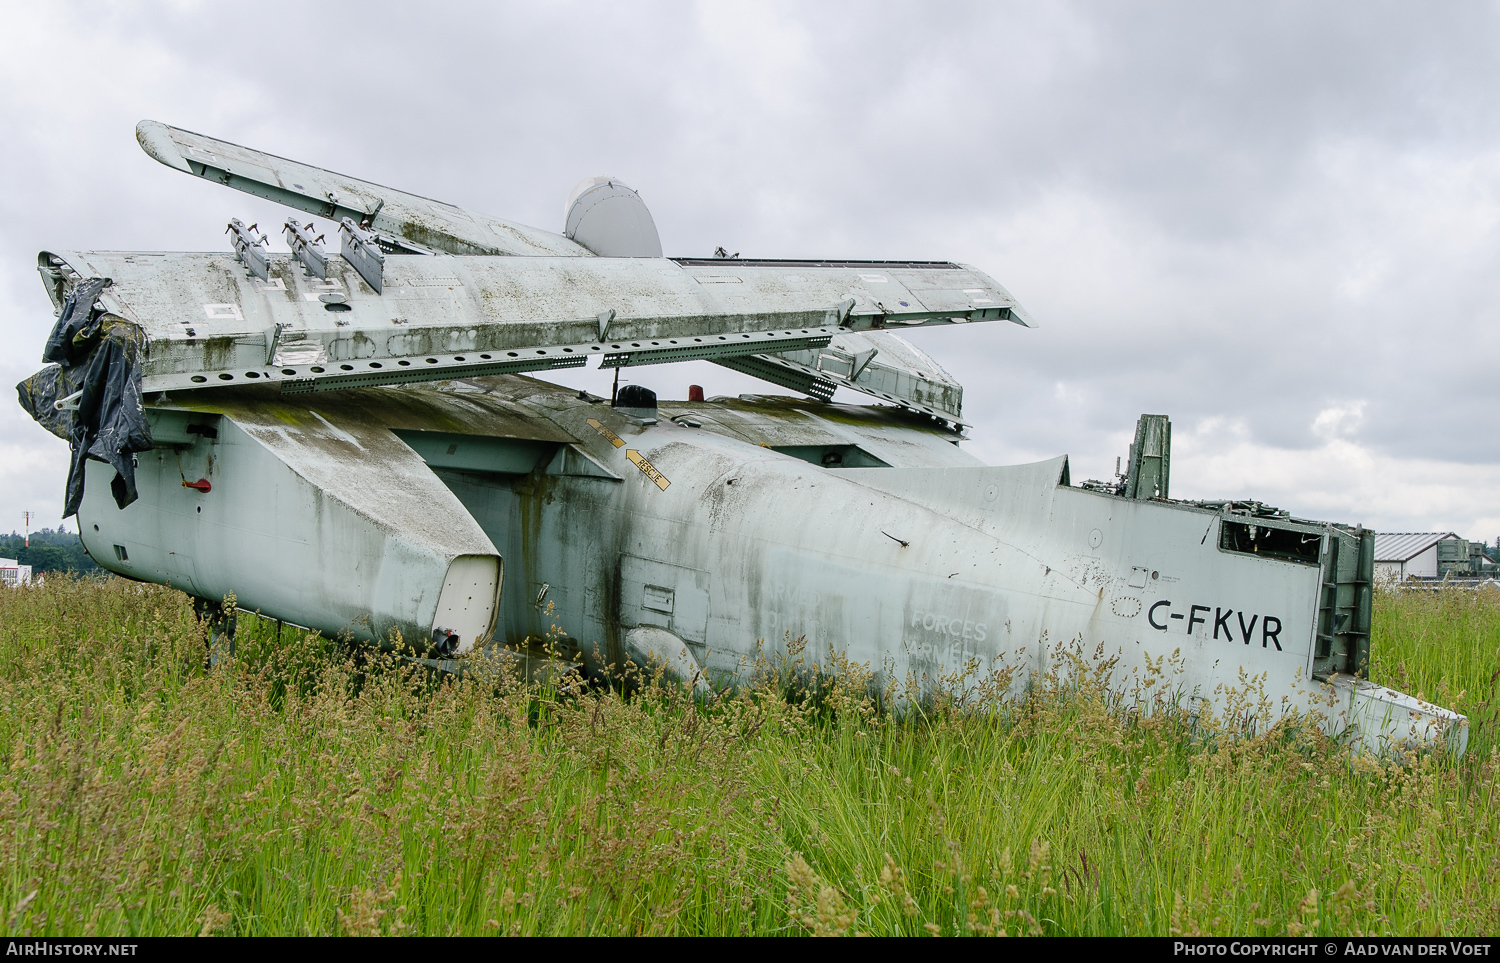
point(51, 550)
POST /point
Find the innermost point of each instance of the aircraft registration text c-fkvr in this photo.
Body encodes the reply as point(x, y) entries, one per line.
point(1219, 618)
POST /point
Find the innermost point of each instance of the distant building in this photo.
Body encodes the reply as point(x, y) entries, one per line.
point(1403, 555)
point(13, 573)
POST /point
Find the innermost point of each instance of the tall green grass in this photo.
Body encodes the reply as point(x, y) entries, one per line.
point(1443, 646)
point(304, 787)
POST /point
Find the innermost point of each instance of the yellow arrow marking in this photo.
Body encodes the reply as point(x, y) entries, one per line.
point(647, 469)
point(610, 436)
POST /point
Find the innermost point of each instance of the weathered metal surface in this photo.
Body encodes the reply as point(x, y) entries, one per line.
point(745, 344)
point(876, 363)
point(778, 371)
point(778, 422)
point(997, 563)
point(322, 517)
point(335, 196)
point(360, 250)
point(1150, 468)
point(915, 569)
point(250, 250)
point(610, 220)
point(306, 248)
point(461, 407)
point(208, 324)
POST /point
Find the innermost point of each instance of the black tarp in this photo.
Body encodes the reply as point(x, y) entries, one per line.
point(46, 386)
point(77, 330)
point(98, 355)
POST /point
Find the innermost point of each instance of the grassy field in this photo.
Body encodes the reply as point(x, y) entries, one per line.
point(305, 788)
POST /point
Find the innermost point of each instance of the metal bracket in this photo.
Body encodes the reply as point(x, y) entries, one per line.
point(251, 252)
point(770, 368)
point(273, 341)
point(70, 403)
point(446, 373)
point(720, 347)
point(606, 318)
point(391, 244)
point(362, 251)
point(862, 359)
point(306, 248)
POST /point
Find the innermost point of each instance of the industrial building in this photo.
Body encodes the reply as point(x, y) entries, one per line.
point(1430, 555)
point(13, 573)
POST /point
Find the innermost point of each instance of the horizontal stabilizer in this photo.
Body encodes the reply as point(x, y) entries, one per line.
point(432, 224)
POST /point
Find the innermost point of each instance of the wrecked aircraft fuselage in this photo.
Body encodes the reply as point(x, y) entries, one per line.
point(350, 445)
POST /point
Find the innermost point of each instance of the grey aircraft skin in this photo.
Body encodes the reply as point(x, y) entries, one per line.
point(350, 443)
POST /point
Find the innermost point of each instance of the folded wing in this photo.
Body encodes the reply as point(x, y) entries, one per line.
point(428, 223)
point(525, 318)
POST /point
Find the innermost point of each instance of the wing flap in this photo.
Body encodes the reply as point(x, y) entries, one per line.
point(877, 363)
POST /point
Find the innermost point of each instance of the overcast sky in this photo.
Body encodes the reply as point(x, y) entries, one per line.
point(1277, 223)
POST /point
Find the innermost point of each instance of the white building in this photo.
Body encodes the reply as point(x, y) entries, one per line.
point(1403, 555)
point(13, 573)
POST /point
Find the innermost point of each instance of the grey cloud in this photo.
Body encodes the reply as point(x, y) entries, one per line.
point(1249, 213)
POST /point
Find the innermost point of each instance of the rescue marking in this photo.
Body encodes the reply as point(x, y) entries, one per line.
point(647, 469)
point(609, 436)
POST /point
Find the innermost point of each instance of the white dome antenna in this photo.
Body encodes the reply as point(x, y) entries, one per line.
point(609, 218)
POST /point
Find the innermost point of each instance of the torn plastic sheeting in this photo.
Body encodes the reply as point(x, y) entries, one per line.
point(99, 356)
point(77, 325)
point(110, 423)
point(46, 386)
